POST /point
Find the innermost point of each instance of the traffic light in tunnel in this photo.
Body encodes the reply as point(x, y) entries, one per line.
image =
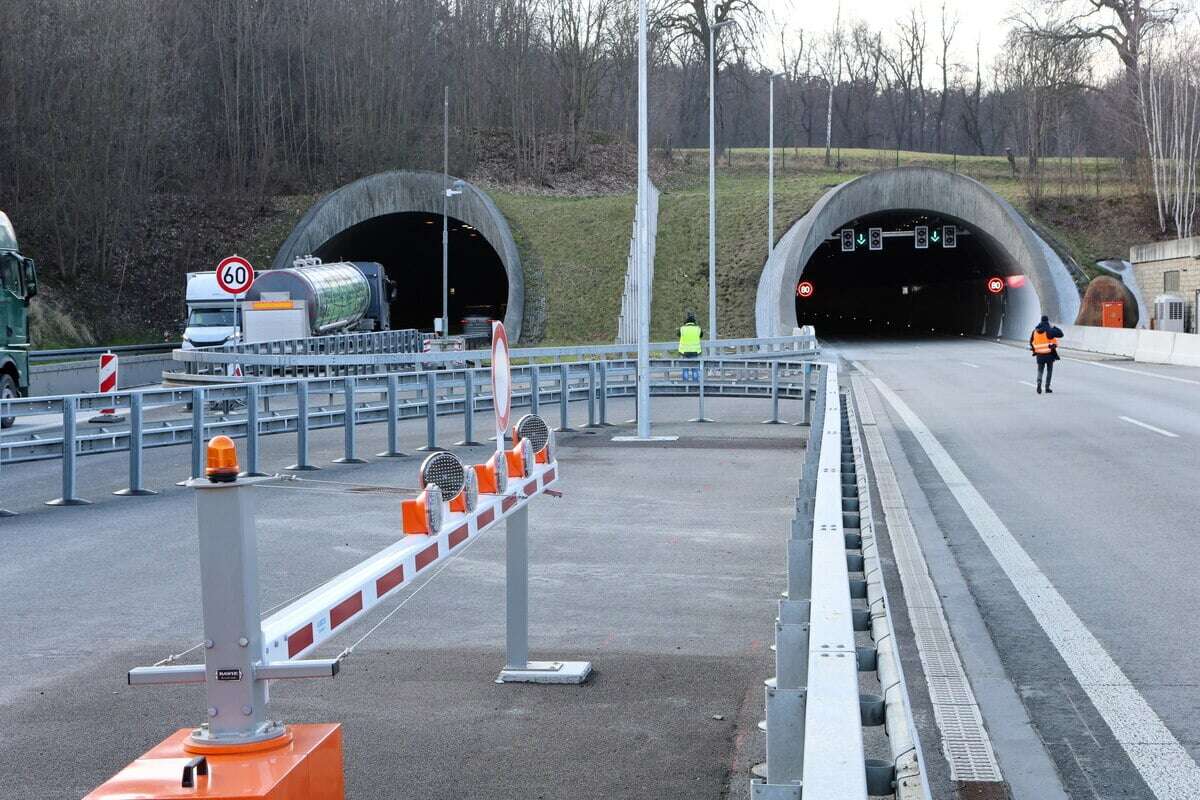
point(847, 240)
point(921, 237)
point(876, 238)
point(949, 236)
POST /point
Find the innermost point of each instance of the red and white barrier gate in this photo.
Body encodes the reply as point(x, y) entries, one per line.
point(108, 385)
point(259, 757)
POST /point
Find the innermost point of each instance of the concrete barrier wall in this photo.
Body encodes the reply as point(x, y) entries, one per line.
point(1146, 346)
point(77, 377)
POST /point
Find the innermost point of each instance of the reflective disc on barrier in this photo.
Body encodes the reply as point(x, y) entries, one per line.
point(534, 429)
point(444, 471)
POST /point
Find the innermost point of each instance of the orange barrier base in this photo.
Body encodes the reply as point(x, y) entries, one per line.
point(309, 767)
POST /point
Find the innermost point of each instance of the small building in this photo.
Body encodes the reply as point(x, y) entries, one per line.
point(1171, 267)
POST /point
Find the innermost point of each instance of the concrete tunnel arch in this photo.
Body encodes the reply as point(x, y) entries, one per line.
point(1005, 234)
point(403, 192)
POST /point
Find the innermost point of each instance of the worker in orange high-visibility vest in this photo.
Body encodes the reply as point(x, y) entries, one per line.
point(1043, 343)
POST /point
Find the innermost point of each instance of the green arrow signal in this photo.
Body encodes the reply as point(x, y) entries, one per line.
point(933, 236)
point(862, 239)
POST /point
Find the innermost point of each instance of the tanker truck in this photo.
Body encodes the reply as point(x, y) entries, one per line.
point(309, 298)
point(18, 284)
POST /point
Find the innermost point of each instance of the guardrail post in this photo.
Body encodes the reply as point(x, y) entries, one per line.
point(302, 464)
point(197, 440)
point(4, 512)
point(393, 414)
point(69, 407)
point(252, 433)
point(349, 384)
point(430, 414)
point(805, 409)
point(591, 397)
point(534, 388)
point(468, 410)
point(564, 397)
point(603, 399)
point(700, 402)
point(136, 425)
point(774, 420)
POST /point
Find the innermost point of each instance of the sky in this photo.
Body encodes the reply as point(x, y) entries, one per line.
point(985, 22)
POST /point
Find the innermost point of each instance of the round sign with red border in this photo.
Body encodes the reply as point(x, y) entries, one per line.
point(995, 285)
point(235, 275)
point(804, 290)
point(501, 381)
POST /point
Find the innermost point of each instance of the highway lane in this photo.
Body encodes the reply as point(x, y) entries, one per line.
point(1091, 487)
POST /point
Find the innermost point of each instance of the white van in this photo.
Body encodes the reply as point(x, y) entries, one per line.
point(210, 319)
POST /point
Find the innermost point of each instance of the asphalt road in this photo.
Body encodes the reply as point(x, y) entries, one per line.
point(661, 565)
point(1096, 484)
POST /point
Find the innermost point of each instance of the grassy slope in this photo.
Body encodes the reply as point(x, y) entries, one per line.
point(577, 247)
point(574, 248)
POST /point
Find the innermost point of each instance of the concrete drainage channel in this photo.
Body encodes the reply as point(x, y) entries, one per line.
point(834, 642)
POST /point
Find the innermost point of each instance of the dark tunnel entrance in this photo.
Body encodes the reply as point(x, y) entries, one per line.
point(409, 246)
point(901, 289)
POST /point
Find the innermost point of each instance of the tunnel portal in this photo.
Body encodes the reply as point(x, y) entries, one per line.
point(395, 218)
point(901, 288)
point(409, 246)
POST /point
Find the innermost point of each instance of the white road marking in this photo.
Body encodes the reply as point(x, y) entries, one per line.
point(1027, 383)
point(969, 364)
point(1163, 763)
point(1148, 427)
point(1158, 375)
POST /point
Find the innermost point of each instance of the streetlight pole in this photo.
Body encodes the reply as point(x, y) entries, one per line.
point(712, 177)
point(445, 212)
point(643, 248)
point(771, 170)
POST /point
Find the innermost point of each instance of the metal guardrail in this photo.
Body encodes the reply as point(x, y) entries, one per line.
point(817, 659)
point(45, 356)
point(365, 353)
point(245, 410)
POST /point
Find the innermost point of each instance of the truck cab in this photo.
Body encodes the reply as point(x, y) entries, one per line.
point(210, 321)
point(18, 284)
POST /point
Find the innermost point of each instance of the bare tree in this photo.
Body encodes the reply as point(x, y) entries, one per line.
point(1169, 99)
point(949, 26)
point(829, 61)
point(578, 35)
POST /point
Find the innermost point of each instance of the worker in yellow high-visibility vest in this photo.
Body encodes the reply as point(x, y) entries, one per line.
point(690, 336)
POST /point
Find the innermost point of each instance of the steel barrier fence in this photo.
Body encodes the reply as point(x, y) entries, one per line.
point(361, 353)
point(245, 410)
point(817, 659)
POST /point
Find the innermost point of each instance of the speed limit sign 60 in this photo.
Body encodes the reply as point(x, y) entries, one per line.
point(235, 275)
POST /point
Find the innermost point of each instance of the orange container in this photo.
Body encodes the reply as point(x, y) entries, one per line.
point(306, 766)
point(1112, 314)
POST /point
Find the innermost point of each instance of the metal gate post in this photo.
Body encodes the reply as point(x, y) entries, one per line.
point(349, 384)
point(237, 700)
point(517, 666)
point(700, 405)
point(252, 470)
point(302, 464)
point(591, 396)
point(4, 512)
point(534, 389)
point(774, 420)
point(564, 397)
point(430, 445)
point(136, 425)
point(468, 409)
point(393, 412)
point(69, 406)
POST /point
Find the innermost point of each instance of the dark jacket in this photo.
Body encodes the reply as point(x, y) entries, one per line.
point(1054, 332)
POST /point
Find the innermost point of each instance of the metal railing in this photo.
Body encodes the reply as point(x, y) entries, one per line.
point(77, 353)
point(300, 406)
point(368, 353)
point(817, 658)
